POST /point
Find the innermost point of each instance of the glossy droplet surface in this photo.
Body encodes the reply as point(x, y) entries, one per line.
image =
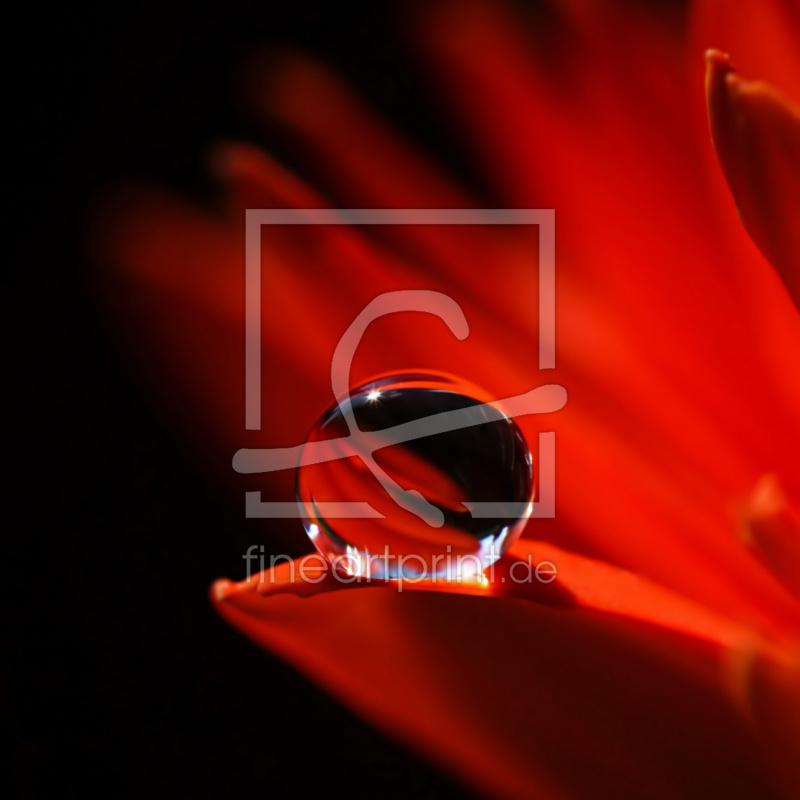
point(414, 476)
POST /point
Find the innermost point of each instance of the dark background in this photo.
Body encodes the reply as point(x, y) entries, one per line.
point(119, 678)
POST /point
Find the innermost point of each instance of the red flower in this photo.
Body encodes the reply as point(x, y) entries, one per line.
point(664, 661)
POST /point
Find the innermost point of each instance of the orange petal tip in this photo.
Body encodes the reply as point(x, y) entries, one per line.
point(772, 531)
point(714, 56)
point(221, 589)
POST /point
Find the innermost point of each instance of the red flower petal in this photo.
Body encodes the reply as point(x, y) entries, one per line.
point(757, 137)
point(366, 159)
point(588, 703)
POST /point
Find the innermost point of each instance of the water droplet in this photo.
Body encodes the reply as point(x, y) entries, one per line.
point(415, 476)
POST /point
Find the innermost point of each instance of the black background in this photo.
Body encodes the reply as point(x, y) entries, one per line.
point(119, 678)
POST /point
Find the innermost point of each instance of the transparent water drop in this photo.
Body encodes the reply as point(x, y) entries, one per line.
point(415, 476)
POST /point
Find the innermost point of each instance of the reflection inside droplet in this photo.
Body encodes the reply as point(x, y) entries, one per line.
point(426, 480)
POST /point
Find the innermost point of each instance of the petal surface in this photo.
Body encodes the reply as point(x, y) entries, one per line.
point(516, 698)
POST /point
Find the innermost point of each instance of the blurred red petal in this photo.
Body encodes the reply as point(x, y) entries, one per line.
point(175, 288)
point(757, 137)
point(256, 180)
point(366, 159)
point(772, 529)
